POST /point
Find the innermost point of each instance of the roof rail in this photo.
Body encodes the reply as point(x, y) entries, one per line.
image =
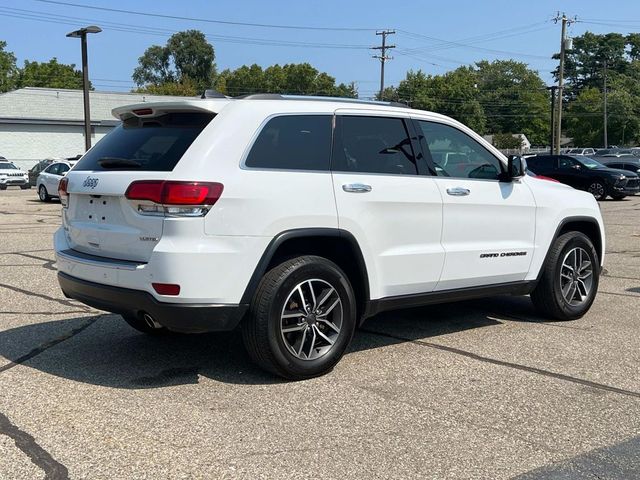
point(278, 96)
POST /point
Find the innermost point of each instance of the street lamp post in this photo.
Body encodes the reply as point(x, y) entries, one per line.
point(82, 35)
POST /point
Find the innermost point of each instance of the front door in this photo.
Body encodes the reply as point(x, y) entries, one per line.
point(488, 226)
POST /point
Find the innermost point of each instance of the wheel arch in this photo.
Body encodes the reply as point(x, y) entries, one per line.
point(589, 226)
point(337, 245)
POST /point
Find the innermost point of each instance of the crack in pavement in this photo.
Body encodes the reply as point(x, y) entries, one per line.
point(66, 303)
point(53, 469)
point(502, 363)
point(47, 345)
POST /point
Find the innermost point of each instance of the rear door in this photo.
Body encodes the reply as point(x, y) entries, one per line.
point(99, 219)
point(488, 226)
point(387, 200)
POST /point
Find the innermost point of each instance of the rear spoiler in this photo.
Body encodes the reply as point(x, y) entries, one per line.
point(153, 109)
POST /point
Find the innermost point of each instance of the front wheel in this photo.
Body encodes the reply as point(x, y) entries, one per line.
point(618, 197)
point(598, 190)
point(301, 319)
point(569, 279)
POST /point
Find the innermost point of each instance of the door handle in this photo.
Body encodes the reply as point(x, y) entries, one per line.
point(458, 191)
point(356, 188)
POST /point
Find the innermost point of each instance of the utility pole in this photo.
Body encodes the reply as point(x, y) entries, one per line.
point(552, 142)
point(563, 41)
point(383, 57)
point(606, 142)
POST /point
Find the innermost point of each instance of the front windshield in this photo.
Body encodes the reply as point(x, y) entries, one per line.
point(7, 166)
point(590, 163)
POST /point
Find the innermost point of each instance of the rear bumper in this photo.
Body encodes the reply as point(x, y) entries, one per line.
point(179, 317)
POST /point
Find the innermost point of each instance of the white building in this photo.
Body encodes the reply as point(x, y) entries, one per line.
point(37, 123)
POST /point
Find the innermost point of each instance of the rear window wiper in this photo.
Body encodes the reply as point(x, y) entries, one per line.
point(116, 162)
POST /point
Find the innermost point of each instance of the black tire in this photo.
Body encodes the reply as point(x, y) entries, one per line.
point(598, 189)
point(547, 297)
point(618, 197)
point(145, 325)
point(269, 347)
point(25, 187)
point(3, 187)
point(43, 194)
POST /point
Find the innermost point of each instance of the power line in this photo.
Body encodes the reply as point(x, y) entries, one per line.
point(65, 20)
point(205, 20)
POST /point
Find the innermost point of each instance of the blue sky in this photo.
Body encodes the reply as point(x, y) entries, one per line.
point(480, 30)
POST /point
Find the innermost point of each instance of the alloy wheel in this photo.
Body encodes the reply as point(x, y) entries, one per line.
point(311, 319)
point(597, 190)
point(576, 276)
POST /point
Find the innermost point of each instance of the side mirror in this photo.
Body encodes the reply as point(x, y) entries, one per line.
point(516, 168)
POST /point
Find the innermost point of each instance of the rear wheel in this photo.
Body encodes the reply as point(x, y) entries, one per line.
point(301, 319)
point(25, 187)
point(597, 189)
point(570, 278)
point(43, 195)
point(618, 197)
point(145, 323)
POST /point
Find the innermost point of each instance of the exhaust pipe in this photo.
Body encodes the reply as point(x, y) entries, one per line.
point(149, 320)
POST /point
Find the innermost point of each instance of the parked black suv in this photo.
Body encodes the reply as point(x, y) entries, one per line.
point(584, 173)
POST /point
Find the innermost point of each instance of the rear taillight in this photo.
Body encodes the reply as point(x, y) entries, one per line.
point(62, 192)
point(173, 197)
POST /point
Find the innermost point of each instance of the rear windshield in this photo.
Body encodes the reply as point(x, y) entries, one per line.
point(150, 144)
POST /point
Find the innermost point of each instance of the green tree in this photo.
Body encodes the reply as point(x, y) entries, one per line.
point(514, 99)
point(584, 63)
point(51, 74)
point(295, 79)
point(584, 118)
point(8, 69)
point(187, 58)
point(503, 96)
point(507, 141)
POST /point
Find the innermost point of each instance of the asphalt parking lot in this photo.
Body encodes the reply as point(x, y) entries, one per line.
point(482, 389)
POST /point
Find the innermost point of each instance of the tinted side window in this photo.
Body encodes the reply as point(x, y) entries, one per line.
point(64, 168)
point(540, 162)
point(455, 154)
point(293, 142)
point(566, 162)
point(373, 145)
point(53, 169)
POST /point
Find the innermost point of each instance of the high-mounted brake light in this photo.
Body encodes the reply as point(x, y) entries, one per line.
point(62, 192)
point(176, 198)
point(143, 111)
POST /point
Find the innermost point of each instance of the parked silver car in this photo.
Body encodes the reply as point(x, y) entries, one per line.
point(49, 179)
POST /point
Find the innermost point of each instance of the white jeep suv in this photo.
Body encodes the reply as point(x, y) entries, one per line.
point(300, 217)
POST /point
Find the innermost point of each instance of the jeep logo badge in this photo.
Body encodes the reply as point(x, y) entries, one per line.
point(90, 182)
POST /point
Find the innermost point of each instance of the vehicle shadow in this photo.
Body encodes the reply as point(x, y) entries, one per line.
point(103, 350)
